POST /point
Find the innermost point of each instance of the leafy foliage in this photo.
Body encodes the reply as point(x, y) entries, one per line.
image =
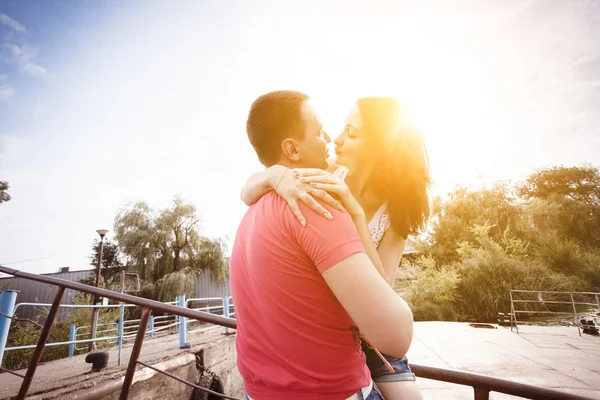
point(166, 248)
point(541, 234)
point(4, 196)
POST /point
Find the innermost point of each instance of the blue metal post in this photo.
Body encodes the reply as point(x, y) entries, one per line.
point(151, 326)
point(226, 310)
point(8, 298)
point(183, 343)
point(72, 338)
point(120, 327)
point(177, 316)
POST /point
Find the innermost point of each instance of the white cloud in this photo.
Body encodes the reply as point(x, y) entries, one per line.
point(6, 92)
point(6, 20)
point(24, 56)
point(34, 69)
point(11, 149)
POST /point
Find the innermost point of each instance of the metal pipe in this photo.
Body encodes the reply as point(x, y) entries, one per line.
point(482, 382)
point(183, 343)
point(32, 346)
point(226, 310)
point(126, 298)
point(12, 372)
point(37, 353)
point(72, 337)
point(548, 291)
point(7, 306)
point(575, 315)
point(121, 325)
point(135, 354)
point(513, 314)
point(481, 394)
point(92, 345)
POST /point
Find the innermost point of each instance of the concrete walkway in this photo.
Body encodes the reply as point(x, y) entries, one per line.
point(72, 373)
point(552, 357)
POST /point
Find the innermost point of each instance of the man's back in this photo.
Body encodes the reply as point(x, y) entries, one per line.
point(294, 338)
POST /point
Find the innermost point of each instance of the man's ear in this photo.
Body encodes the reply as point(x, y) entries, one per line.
point(290, 149)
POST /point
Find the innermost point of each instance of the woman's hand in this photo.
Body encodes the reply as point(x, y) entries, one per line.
point(323, 180)
point(289, 187)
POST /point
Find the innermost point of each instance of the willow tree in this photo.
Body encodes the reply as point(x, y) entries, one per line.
point(166, 248)
point(4, 196)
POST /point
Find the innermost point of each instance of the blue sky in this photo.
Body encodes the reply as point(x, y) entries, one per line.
point(107, 102)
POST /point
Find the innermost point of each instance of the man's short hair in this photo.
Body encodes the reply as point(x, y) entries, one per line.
point(274, 117)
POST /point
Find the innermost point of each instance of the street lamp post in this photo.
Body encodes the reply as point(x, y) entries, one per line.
point(102, 233)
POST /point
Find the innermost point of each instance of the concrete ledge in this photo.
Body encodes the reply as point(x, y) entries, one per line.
point(111, 389)
point(69, 378)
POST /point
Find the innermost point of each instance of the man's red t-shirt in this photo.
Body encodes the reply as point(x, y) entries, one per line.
point(294, 339)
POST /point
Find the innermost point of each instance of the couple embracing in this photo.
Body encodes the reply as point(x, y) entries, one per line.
point(316, 254)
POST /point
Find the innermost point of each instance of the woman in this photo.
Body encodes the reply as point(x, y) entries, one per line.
point(385, 191)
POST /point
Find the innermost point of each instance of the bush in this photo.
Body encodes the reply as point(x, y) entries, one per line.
point(433, 292)
point(489, 272)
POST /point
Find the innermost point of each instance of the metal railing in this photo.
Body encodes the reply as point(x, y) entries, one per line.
point(547, 303)
point(111, 332)
point(482, 385)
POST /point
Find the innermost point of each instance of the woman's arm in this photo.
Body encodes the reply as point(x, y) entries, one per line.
point(365, 235)
point(336, 185)
point(283, 181)
point(261, 183)
point(390, 252)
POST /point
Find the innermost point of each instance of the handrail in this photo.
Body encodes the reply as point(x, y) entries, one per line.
point(481, 384)
point(126, 298)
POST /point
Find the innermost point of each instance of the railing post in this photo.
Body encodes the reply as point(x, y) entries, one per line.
point(481, 394)
point(226, 310)
point(93, 327)
point(135, 353)
point(177, 316)
point(39, 350)
point(72, 338)
point(575, 314)
point(151, 326)
point(513, 316)
point(120, 328)
point(8, 298)
point(183, 343)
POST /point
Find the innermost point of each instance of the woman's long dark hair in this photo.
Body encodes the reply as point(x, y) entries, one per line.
point(401, 175)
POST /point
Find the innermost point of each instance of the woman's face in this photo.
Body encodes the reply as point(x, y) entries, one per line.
point(351, 146)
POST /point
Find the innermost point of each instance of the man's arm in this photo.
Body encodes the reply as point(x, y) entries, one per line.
point(338, 253)
point(380, 314)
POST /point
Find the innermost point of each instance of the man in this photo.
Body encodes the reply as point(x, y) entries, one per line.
point(301, 292)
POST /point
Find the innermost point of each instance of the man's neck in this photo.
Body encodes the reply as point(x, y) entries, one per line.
point(287, 164)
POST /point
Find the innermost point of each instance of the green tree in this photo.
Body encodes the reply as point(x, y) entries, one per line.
point(111, 266)
point(166, 248)
point(456, 216)
point(565, 201)
point(540, 234)
point(4, 196)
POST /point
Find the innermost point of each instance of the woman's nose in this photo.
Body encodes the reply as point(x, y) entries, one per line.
point(339, 140)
